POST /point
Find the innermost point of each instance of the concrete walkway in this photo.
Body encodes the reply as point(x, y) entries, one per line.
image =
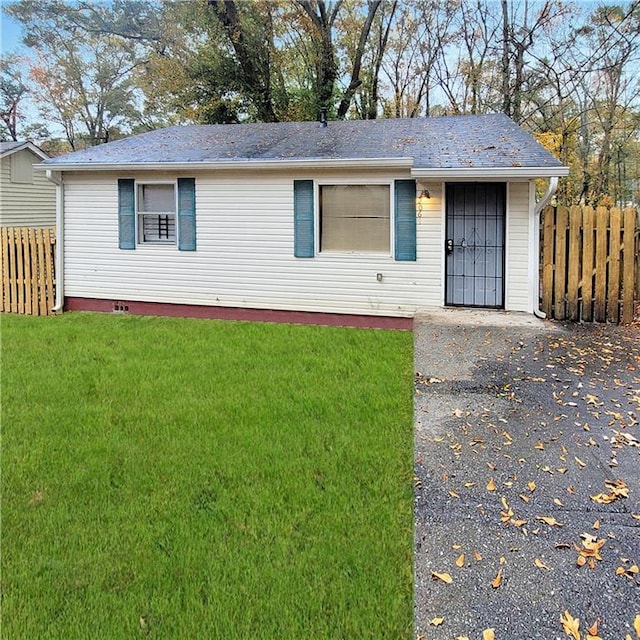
point(518, 423)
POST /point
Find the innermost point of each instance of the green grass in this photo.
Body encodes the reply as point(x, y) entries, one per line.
point(173, 478)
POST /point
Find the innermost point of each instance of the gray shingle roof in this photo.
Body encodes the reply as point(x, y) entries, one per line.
point(7, 148)
point(465, 142)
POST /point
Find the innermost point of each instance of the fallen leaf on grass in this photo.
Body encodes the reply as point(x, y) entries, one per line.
point(497, 581)
point(570, 625)
point(436, 622)
point(552, 522)
point(445, 577)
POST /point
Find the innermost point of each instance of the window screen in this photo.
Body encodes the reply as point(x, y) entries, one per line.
point(156, 213)
point(355, 218)
point(156, 198)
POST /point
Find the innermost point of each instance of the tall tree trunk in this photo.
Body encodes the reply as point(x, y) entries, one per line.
point(506, 47)
point(255, 63)
point(355, 82)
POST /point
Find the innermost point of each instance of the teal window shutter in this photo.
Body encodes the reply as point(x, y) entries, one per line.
point(405, 219)
point(187, 214)
point(303, 235)
point(126, 214)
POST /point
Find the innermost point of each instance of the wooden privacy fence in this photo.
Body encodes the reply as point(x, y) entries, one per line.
point(28, 270)
point(589, 263)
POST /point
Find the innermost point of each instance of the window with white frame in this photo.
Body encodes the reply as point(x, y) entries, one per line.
point(156, 212)
point(355, 218)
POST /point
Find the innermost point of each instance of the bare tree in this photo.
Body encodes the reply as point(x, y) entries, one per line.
point(12, 92)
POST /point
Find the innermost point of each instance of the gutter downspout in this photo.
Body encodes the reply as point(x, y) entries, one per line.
point(57, 180)
point(540, 205)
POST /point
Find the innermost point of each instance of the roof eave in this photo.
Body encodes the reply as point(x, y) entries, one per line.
point(25, 145)
point(472, 173)
point(234, 164)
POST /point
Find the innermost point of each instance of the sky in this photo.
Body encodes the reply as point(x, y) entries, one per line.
point(10, 34)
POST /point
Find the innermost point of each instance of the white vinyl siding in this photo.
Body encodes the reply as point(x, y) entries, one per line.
point(26, 204)
point(518, 248)
point(245, 255)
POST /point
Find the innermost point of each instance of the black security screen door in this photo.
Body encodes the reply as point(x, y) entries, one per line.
point(474, 244)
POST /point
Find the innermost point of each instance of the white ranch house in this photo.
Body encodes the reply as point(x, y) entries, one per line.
point(352, 220)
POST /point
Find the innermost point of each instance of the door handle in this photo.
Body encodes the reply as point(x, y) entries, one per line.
point(449, 246)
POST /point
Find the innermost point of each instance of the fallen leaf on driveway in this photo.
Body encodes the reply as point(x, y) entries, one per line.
point(591, 399)
point(570, 625)
point(593, 629)
point(436, 622)
point(497, 581)
point(491, 485)
point(636, 625)
point(552, 522)
point(540, 564)
point(460, 560)
point(445, 577)
point(617, 489)
point(489, 634)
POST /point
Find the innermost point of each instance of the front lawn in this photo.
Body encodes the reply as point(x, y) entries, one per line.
point(174, 478)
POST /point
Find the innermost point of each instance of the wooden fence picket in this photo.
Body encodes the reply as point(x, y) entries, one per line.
point(590, 263)
point(630, 263)
point(28, 270)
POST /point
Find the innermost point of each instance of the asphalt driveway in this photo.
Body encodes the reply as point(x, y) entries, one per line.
point(527, 478)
